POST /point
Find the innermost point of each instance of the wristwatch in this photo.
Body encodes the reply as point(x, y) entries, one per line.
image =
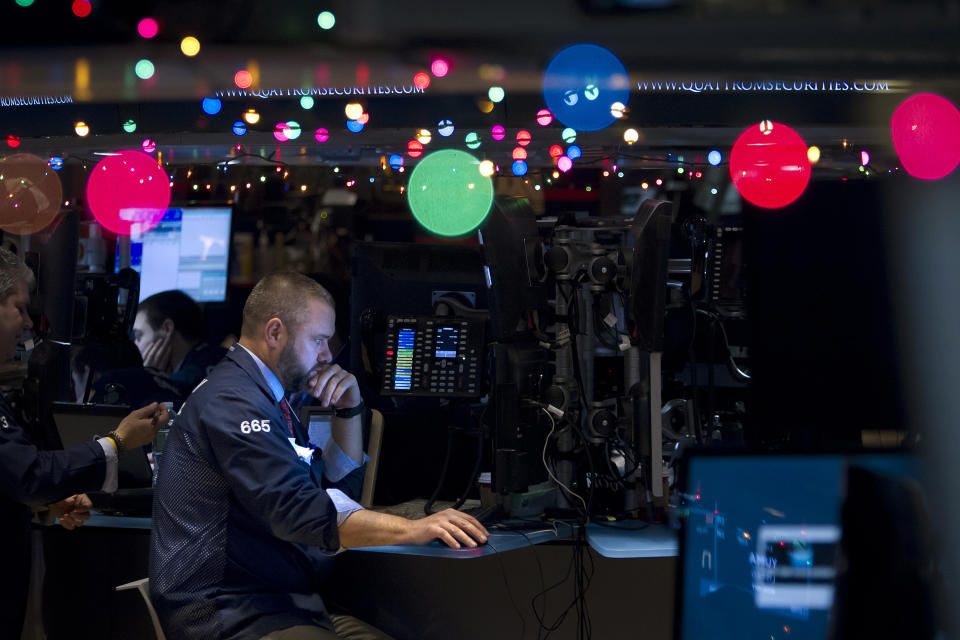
point(349, 413)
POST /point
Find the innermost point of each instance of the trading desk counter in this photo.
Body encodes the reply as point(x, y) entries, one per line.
point(412, 592)
point(632, 540)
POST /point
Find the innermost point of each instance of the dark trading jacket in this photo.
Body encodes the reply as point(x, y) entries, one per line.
point(242, 528)
point(35, 478)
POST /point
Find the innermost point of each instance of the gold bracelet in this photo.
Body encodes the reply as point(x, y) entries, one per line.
point(117, 442)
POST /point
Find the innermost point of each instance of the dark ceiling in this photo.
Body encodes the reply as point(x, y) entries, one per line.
point(48, 52)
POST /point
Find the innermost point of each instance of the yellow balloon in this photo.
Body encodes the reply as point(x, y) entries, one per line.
point(190, 46)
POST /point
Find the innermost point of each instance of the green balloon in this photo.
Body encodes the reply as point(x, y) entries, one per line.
point(144, 69)
point(447, 194)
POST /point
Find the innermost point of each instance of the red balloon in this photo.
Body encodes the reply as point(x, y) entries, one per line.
point(926, 134)
point(30, 194)
point(81, 8)
point(128, 189)
point(769, 165)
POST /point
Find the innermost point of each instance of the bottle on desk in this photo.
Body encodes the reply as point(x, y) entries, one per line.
point(160, 440)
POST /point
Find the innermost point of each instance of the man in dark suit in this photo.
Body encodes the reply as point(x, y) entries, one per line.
point(33, 479)
point(246, 515)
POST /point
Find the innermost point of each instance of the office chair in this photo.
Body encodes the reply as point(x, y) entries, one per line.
point(143, 586)
point(373, 451)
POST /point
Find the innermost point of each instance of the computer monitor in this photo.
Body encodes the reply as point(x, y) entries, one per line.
point(513, 259)
point(317, 421)
point(189, 250)
point(648, 245)
point(770, 544)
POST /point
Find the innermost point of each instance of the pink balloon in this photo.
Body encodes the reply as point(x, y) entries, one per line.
point(769, 165)
point(127, 191)
point(926, 134)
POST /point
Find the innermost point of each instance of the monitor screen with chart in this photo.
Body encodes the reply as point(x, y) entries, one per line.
point(189, 249)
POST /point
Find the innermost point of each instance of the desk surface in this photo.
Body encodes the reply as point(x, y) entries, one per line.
point(627, 541)
point(610, 541)
point(116, 522)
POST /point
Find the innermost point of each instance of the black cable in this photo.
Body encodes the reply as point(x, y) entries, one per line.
point(563, 614)
point(618, 480)
point(711, 383)
point(585, 577)
point(539, 617)
point(735, 371)
point(573, 314)
point(622, 448)
point(427, 508)
point(476, 464)
point(506, 583)
point(603, 331)
point(552, 472)
point(692, 355)
point(620, 527)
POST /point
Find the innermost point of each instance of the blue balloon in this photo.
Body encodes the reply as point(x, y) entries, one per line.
point(56, 163)
point(395, 161)
point(581, 83)
point(519, 168)
point(355, 126)
point(714, 157)
point(574, 152)
point(212, 106)
point(445, 127)
point(239, 127)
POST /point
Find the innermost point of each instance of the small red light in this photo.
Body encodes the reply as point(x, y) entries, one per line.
point(390, 352)
point(243, 79)
point(421, 80)
point(81, 8)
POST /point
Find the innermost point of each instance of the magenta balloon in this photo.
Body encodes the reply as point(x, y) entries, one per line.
point(926, 134)
point(128, 189)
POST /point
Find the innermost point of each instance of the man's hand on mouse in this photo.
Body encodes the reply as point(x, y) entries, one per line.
point(453, 528)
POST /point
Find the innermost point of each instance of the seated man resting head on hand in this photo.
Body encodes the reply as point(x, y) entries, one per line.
point(246, 514)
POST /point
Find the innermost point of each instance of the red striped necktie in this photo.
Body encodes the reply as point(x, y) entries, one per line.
point(287, 416)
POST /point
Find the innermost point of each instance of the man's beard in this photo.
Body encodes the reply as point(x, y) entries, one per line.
point(292, 376)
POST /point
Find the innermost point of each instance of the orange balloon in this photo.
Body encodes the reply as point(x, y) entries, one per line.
point(30, 194)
